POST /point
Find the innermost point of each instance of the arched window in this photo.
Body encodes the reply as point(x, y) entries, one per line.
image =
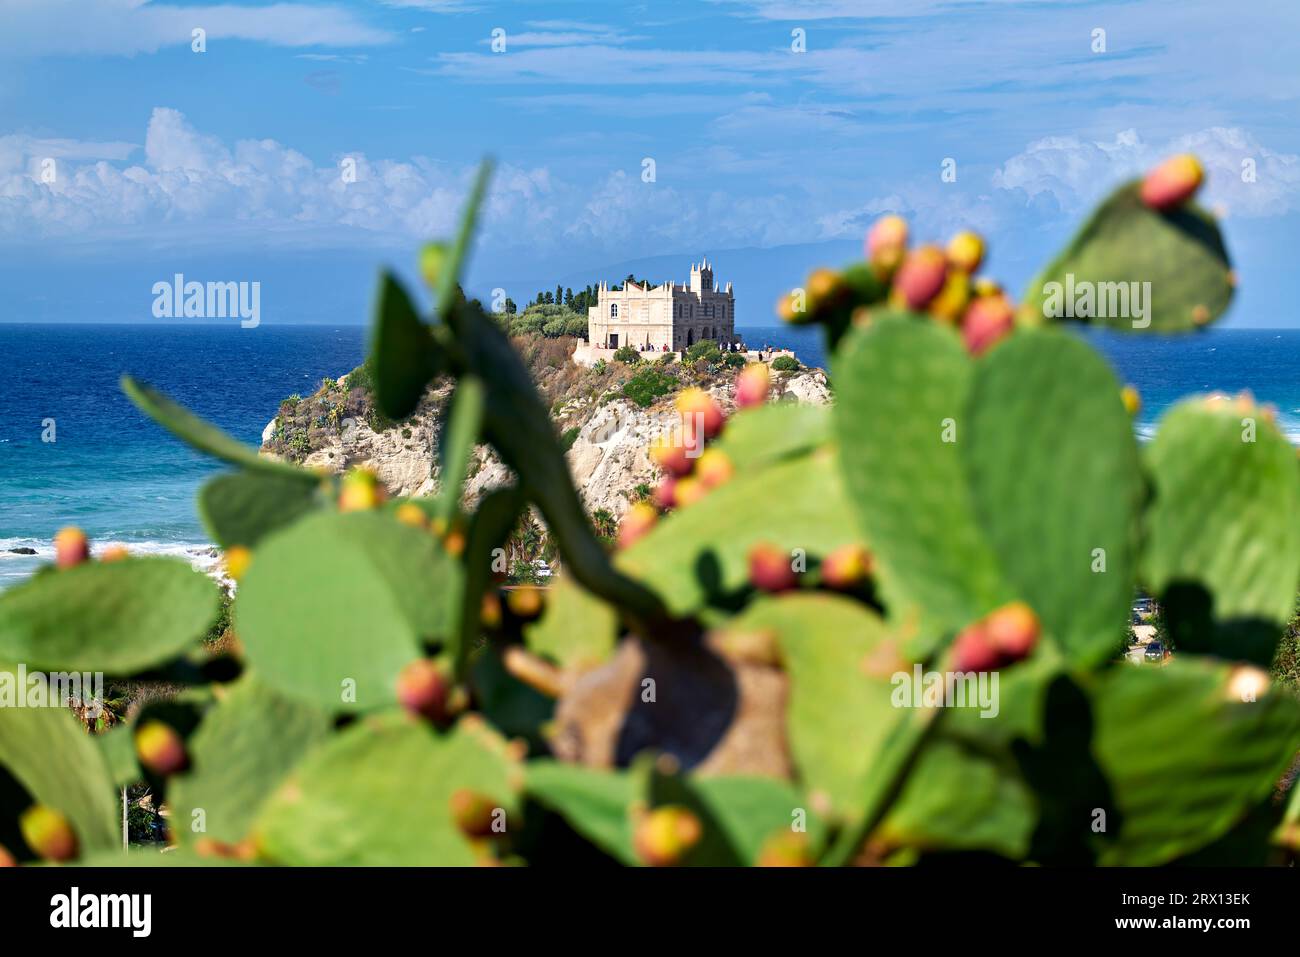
point(613, 310)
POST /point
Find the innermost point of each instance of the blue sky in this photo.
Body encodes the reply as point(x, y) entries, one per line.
point(226, 164)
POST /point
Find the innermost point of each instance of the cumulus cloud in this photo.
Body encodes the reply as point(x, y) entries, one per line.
point(127, 27)
point(1244, 177)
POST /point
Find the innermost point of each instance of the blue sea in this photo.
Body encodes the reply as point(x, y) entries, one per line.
point(117, 475)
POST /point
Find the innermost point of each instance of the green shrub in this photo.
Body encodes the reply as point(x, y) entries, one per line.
point(647, 385)
point(785, 364)
point(569, 437)
point(707, 350)
point(668, 358)
point(627, 355)
point(734, 360)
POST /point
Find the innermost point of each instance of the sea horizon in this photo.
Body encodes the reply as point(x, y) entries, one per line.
point(114, 473)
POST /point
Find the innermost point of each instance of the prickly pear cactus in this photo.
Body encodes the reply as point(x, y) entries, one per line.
point(869, 634)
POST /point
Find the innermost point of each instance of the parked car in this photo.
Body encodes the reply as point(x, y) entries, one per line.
point(1155, 651)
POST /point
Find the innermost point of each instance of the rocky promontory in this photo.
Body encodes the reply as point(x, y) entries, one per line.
point(606, 416)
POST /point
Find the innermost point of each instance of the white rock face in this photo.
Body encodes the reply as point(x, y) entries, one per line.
point(608, 460)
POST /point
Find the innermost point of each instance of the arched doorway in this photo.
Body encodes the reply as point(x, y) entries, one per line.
point(690, 338)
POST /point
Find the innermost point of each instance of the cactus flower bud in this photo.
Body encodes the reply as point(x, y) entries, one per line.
point(665, 835)
point(114, 553)
point(966, 252)
point(953, 297)
point(987, 321)
point(408, 513)
point(752, 385)
point(920, 278)
point(48, 833)
point(697, 407)
point(473, 813)
point(824, 287)
point(7, 859)
point(665, 493)
point(785, 849)
point(637, 521)
point(238, 559)
point(1132, 401)
point(490, 610)
point(1173, 182)
point(525, 602)
point(361, 491)
point(673, 458)
point(846, 567)
point(974, 651)
point(887, 239)
point(770, 568)
point(71, 547)
point(422, 689)
point(1013, 630)
point(159, 748)
point(714, 468)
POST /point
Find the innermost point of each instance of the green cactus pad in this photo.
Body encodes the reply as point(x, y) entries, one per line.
point(903, 388)
point(1054, 478)
point(118, 747)
point(50, 754)
point(341, 602)
point(596, 804)
point(379, 792)
point(205, 436)
point(458, 437)
point(496, 515)
point(1185, 759)
point(774, 431)
point(402, 349)
point(1221, 527)
point(1180, 253)
point(745, 812)
point(235, 764)
point(838, 715)
point(119, 617)
point(701, 553)
point(241, 507)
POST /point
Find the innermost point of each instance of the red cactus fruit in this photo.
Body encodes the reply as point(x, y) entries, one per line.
point(114, 553)
point(71, 547)
point(472, 812)
point(637, 520)
point(714, 468)
point(664, 836)
point(490, 610)
point(674, 458)
point(422, 689)
point(987, 321)
point(966, 252)
point(408, 513)
point(525, 602)
point(665, 493)
point(159, 748)
point(7, 859)
point(688, 491)
point(361, 490)
point(698, 407)
point(887, 239)
point(770, 568)
point(48, 833)
point(752, 385)
point(1013, 630)
point(920, 278)
point(1173, 182)
point(846, 567)
point(974, 651)
point(785, 849)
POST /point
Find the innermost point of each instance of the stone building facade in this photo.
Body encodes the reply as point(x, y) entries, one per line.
point(672, 315)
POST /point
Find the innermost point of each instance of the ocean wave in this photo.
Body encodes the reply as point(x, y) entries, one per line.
point(203, 556)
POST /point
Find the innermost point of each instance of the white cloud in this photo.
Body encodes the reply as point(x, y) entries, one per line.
point(1076, 172)
point(128, 27)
